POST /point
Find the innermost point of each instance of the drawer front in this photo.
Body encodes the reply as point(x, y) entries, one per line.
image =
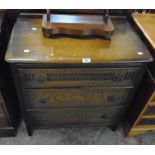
point(3, 121)
point(107, 116)
point(1, 104)
point(45, 78)
point(147, 121)
point(77, 97)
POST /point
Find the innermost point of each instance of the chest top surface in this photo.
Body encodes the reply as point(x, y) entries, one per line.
point(28, 45)
point(146, 23)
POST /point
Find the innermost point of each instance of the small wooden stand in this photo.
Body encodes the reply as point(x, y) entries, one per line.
point(77, 25)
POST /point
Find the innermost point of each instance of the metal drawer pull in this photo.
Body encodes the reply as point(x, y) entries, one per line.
point(43, 101)
point(104, 116)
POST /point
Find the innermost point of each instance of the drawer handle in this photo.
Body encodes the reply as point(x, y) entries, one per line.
point(43, 101)
point(111, 98)
point(104, 116)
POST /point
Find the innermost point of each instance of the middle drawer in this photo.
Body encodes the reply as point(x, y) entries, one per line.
point(75, 97)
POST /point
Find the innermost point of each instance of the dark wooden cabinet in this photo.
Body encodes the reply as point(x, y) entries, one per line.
point(73, 82)
point(9, 110)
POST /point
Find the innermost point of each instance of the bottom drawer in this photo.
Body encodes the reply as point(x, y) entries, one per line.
point(73, 116)
point(3, 121)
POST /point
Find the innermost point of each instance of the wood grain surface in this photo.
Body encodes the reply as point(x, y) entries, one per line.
point(79, 97)
point(28, 45)
point(55, 89)
point(77, 25)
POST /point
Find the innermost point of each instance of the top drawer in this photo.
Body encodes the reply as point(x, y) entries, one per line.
point(44, 78)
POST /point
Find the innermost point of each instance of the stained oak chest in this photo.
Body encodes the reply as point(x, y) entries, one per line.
point(72, 82)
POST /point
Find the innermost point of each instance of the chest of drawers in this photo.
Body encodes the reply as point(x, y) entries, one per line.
point(9, 109)
point(72, 82)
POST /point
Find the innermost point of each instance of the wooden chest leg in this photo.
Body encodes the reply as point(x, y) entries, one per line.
point(29, 130)
point(114, 127)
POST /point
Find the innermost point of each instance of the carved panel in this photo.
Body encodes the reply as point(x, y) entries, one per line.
point(39, 78)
